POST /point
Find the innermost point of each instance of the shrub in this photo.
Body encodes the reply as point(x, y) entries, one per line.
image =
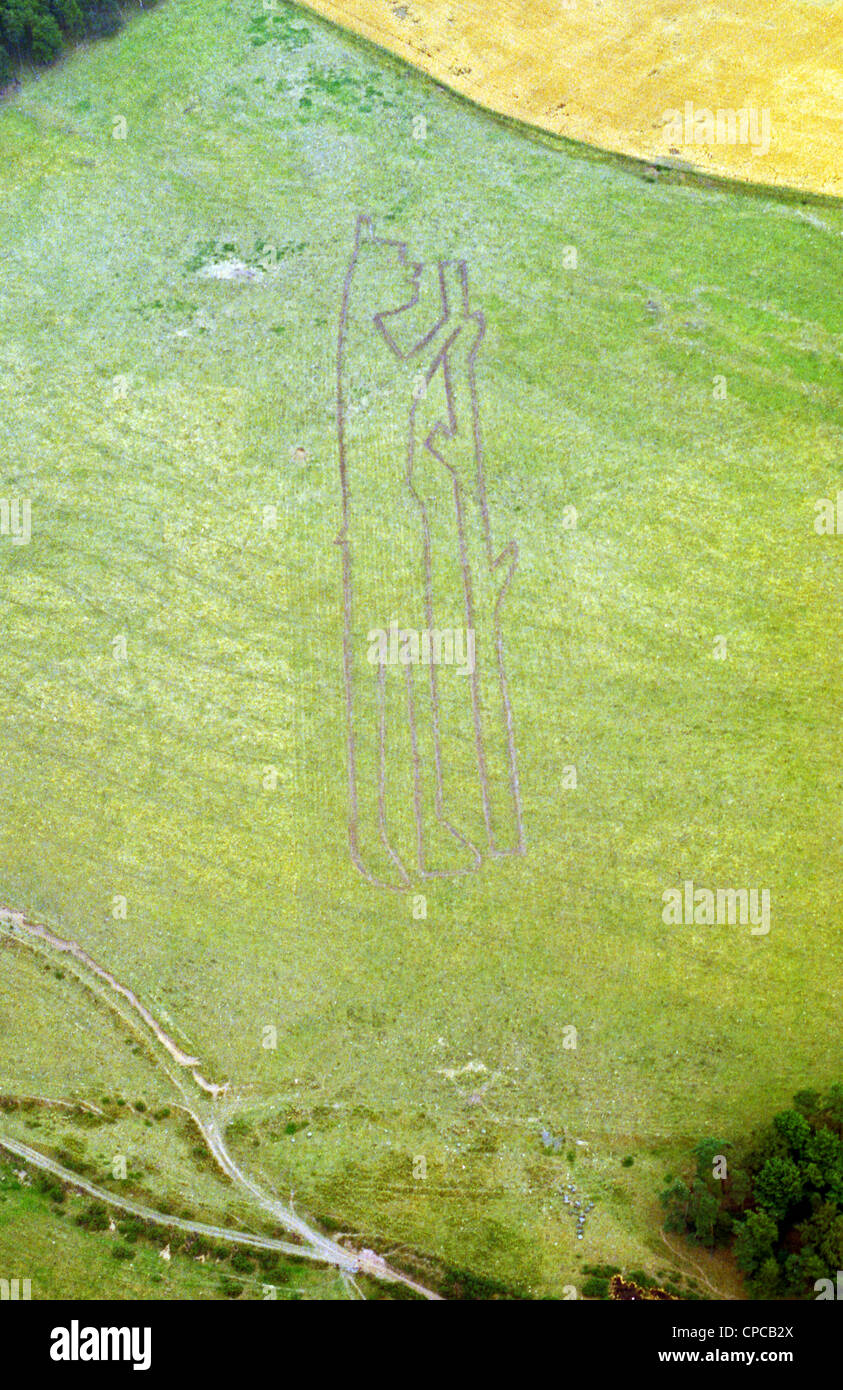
point(51, 1188)
point(595, 1287)
point(131, 1227)
point(241, 1262)
point(93, 1218)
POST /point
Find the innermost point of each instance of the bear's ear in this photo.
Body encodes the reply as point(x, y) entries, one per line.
point(365, 230)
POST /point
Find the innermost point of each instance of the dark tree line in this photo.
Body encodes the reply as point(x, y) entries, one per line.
point(778, 1199)
point(37, 31)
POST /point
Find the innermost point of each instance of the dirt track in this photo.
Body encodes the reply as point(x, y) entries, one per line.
point(607, 71)
point(315, 1245)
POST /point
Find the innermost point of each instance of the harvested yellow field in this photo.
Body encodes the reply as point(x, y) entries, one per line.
point(751, 90)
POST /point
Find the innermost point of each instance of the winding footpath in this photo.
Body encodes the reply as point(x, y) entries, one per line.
point(316, 1246)
point(66, 1175)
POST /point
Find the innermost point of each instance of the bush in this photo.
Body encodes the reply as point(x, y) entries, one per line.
point(241, 1262)
point(51, 1188)
point(595, 1287)
point(93, 1218)
point(132, 1228)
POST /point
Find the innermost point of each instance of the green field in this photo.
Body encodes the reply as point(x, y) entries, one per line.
point(41, 1234)
point(153, 412)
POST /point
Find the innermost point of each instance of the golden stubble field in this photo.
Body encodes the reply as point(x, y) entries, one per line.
point(607, 72)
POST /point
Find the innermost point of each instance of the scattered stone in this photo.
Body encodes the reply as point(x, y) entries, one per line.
point(229, 270)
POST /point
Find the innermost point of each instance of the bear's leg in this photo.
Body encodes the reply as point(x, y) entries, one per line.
point(443, 851)
point(372, 851)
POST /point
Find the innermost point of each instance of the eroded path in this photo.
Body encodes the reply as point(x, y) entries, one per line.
point(182, 1070)
point(102, 1194)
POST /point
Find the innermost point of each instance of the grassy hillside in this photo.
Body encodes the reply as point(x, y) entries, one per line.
point(152, 411)
point(607, 71)
point(64, 1246)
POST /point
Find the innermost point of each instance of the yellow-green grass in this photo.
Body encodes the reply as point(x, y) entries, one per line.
point(40, 1241)
point(146, 779)
point(611, 72)
point(60, 1042)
